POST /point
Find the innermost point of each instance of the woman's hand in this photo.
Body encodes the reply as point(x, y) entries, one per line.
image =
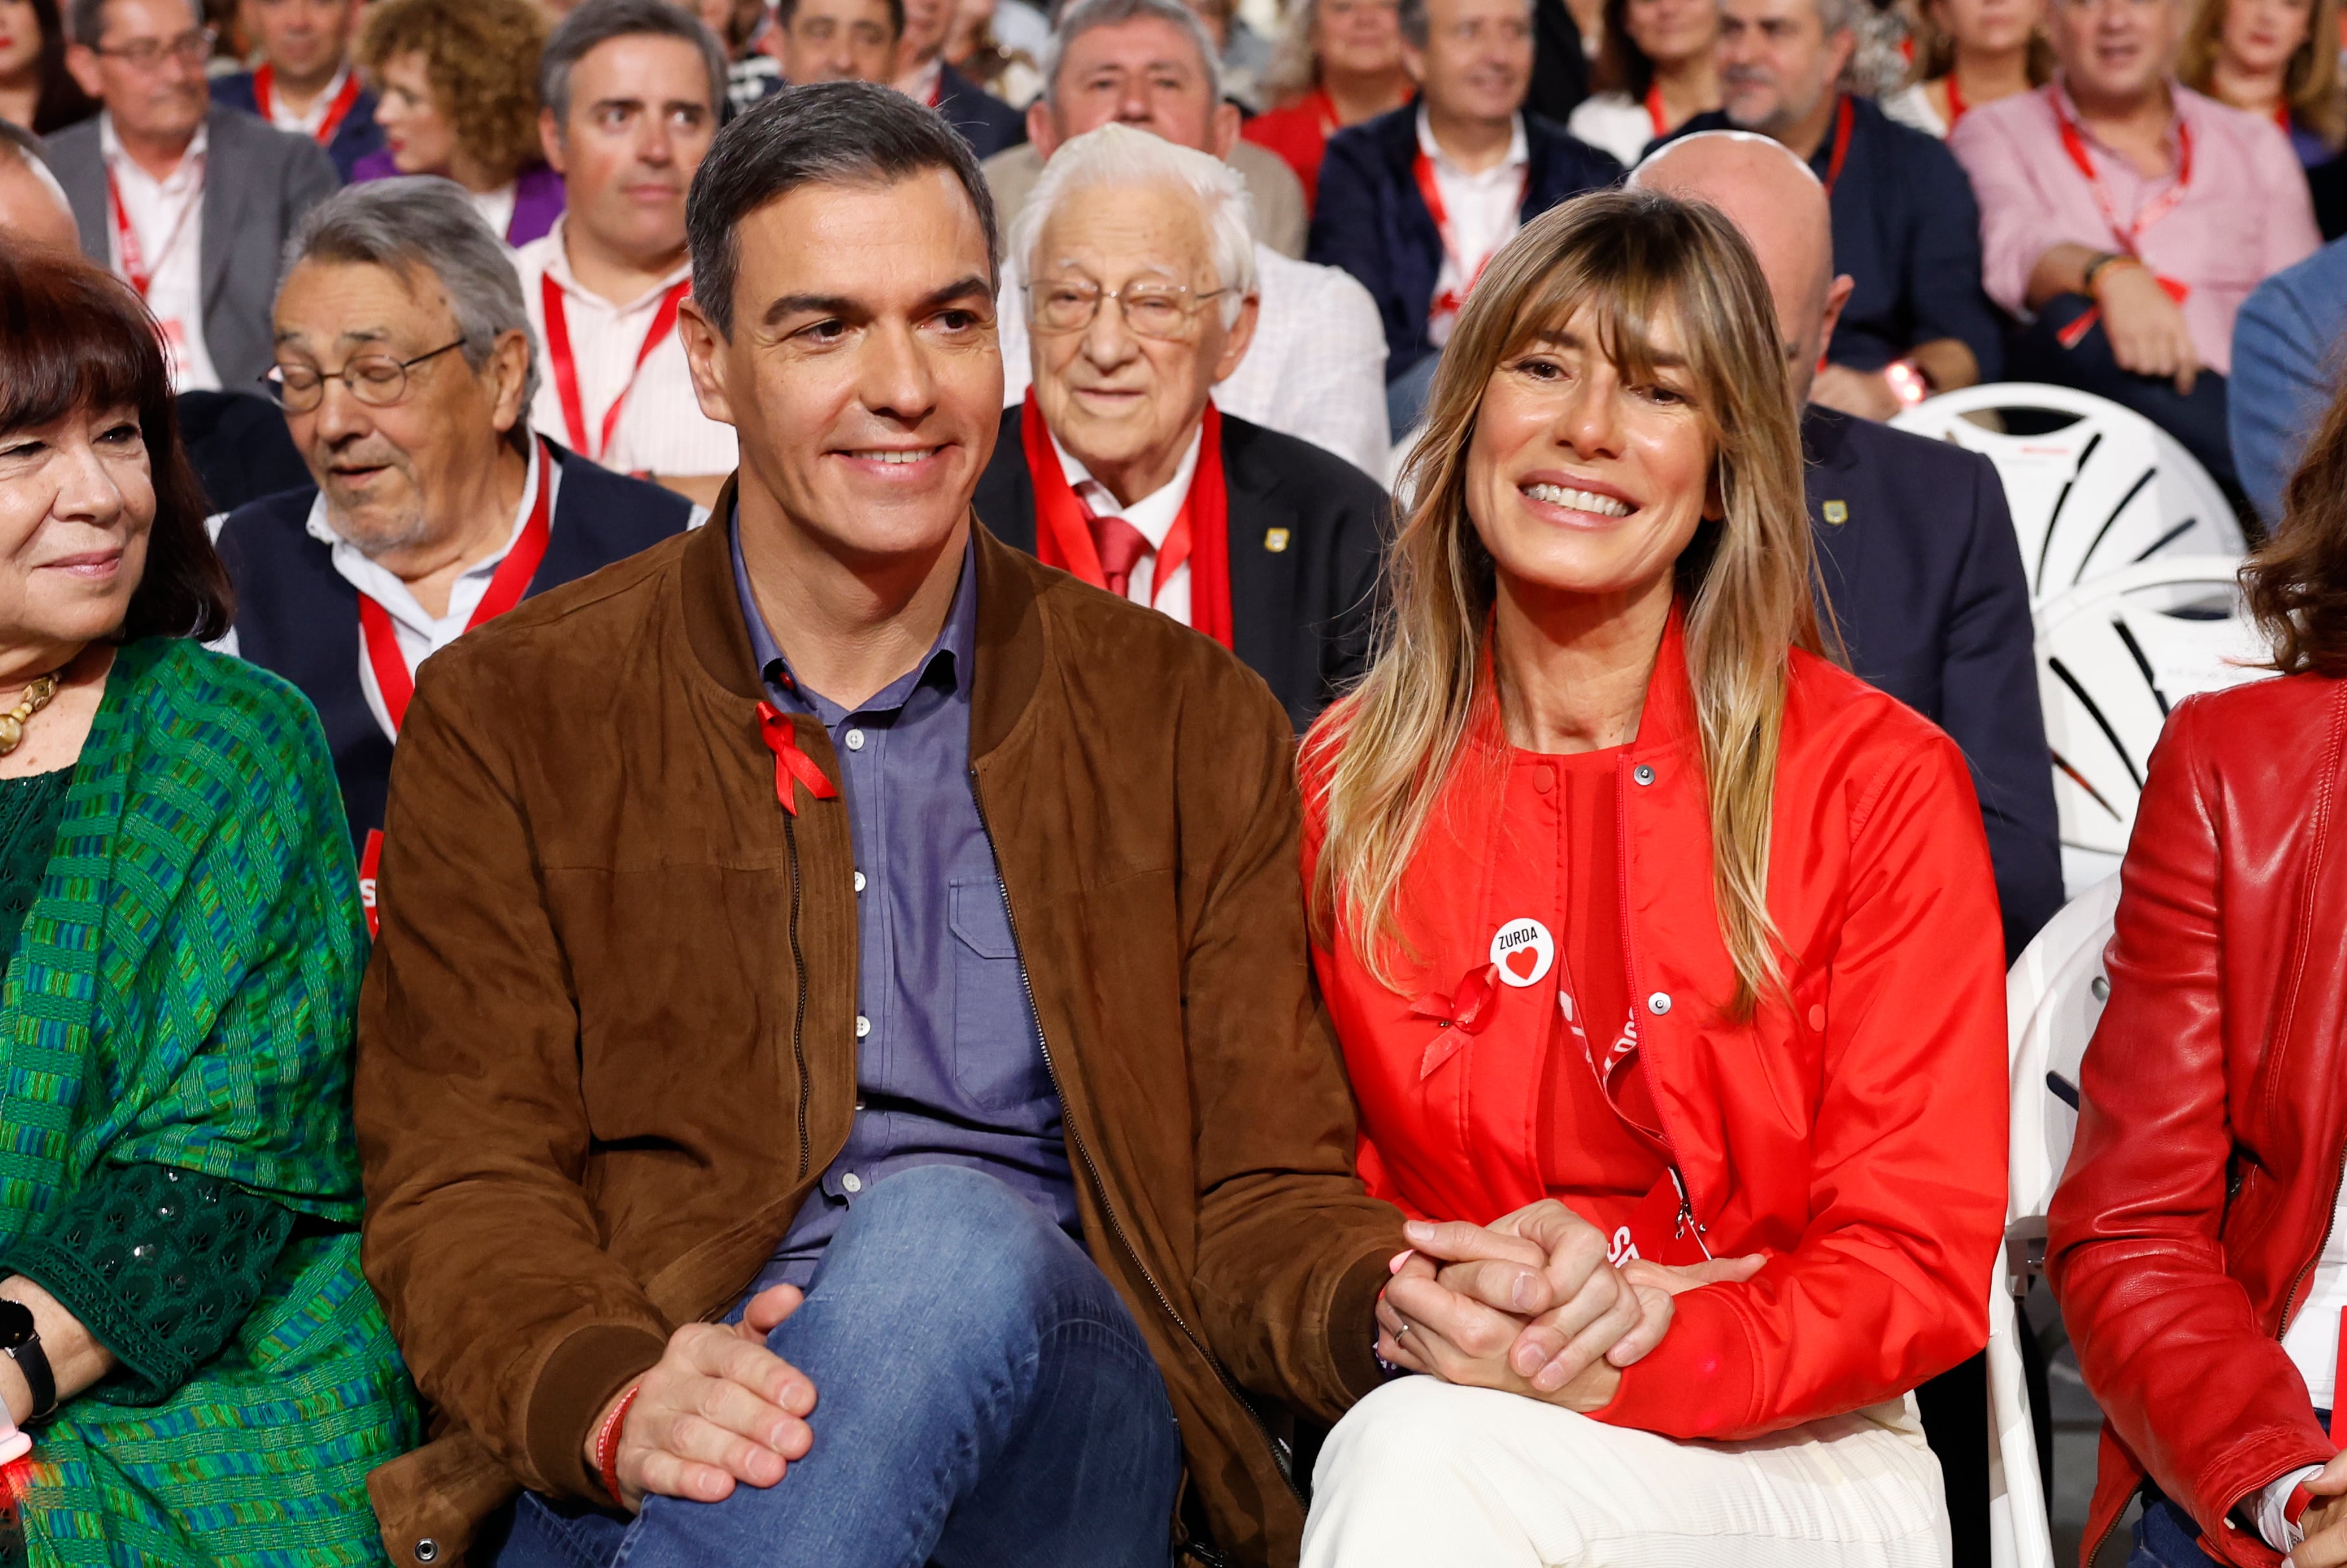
point(718, 1408)
point(1463, 1341)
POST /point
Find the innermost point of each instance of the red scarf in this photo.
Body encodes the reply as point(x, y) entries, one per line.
point(1202, 533)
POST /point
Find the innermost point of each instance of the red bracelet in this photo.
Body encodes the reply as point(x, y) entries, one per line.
point(607, 1442)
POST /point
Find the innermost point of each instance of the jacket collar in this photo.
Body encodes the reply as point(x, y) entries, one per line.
point(1012, 643)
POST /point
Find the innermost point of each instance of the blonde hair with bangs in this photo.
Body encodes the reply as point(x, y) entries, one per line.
point(1384, 754)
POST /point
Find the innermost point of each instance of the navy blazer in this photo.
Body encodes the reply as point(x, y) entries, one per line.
point(354, 138)
point(299, 617)
point(1907, 231)
point(1305, 531)
point(1920, 565)
point(984, 121)
point(1371, 220)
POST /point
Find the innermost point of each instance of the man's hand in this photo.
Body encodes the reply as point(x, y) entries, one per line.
point(2146, 325)
point(1463, 1341)
point(718, 1408)
point(1865, 394)
point(2325, 1521)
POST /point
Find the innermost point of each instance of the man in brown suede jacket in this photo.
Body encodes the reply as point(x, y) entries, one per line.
point(839, 1081)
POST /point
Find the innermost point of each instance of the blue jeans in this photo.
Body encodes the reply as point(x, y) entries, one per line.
point(983, 1396)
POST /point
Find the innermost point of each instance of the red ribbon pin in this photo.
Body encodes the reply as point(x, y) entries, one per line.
point(790, 762)
point(1463, 1012)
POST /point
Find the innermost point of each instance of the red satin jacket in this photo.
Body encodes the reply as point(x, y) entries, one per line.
point(2213, 1119)
point(1856, 1131)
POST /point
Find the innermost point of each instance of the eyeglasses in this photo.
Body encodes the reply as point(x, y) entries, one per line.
point(1151, 310)
point(194, 49)
point(377, 380)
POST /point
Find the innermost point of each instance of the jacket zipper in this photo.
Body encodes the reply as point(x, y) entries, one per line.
point(1280, 1458)
point(798, 1017)
point(1686, 1220)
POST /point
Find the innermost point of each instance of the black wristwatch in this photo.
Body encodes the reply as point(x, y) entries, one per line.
point(21, 1342)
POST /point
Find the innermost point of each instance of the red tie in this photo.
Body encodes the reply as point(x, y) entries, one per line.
point(1120, 548)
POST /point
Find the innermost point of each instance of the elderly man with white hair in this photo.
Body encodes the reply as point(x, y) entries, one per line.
point(1141, 295)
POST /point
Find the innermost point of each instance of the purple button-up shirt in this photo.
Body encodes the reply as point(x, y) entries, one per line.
point(949, 1063)
point(2245, 216)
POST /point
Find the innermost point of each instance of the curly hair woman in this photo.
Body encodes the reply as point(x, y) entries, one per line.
point(457, 84)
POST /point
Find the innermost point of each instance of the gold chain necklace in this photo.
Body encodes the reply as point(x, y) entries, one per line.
point(36, 697)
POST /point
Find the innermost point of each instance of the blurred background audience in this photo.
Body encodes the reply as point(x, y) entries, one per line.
point(36, 91)
point(996, 43)
point(926, 75)
point(1339, 63)
point(1969, 53)
point(1656, 71)
point(305, 81)
point(458, 82)
point(835, 41)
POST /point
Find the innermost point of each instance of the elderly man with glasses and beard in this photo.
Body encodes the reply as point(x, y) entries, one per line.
point(406, 368)
point(1118, 466)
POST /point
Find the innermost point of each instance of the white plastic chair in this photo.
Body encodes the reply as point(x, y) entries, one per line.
point(2053, 997)
point(2103, 492)
point(2114, 655)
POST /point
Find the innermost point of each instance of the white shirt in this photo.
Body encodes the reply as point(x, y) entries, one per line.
point(1483, 212)
point(167, 217)
point(1616, 122)
point(1912, 107)
point(662, 429)
point(496, 208)
point(1316, 371)
point(422, 634)
point(309, 121)
point(1153, 515)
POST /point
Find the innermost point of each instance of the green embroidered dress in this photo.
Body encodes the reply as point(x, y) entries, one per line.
point(175, 1033)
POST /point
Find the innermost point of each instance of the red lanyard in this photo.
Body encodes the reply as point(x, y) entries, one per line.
point(566, 367)
point(135, 271)
point(1844, 118)
point(2128, 234)
point(2281, 118)
point(264, 99)
point(937, 87)
point(1955, 101)
point(1451, 301)
point(1655, 109)
point(507, 585)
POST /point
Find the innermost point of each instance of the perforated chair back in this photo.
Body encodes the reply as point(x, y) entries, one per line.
point(2114, 656)
point(2053, 997)
point(2106, 490)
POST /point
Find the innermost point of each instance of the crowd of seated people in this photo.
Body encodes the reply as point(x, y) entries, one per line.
point(667, 537)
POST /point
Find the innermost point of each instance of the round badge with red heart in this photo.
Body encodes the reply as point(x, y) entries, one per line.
point(1523, 950)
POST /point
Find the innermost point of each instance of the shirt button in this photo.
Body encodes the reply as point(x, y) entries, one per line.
point(855, 739)
point(859, 882)
point(864, 1025)
point(1659, 1003)
point(1544, 779)
point(851, 1183)
point(1642, 773)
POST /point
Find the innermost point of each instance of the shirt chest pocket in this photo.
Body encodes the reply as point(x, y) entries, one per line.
point(998, 1060)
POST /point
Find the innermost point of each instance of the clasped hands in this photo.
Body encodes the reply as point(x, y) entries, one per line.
point(1531, 1304)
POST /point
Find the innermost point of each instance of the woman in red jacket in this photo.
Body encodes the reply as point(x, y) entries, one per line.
point(2195, 1242)
point(1651, 937)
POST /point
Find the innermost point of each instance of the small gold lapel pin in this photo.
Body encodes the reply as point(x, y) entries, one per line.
point(1274, 541)
point(1837, 513)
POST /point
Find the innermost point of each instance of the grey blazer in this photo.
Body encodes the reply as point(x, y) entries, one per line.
point(258, 182)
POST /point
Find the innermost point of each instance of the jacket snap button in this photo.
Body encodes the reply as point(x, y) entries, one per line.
point(1817, 1017)
point(428, 1550)
point(1642, 773)
point(1659, 1003)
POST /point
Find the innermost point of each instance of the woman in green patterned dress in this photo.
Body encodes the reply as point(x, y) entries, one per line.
point(185, 1336)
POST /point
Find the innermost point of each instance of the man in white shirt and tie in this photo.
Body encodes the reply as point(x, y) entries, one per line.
point(186, 202)
point(632, 90)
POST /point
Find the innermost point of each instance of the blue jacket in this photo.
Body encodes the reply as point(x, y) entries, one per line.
point(299, 617)
point(1371, 220)
point(2284, 371)
point(1919, 560)
point(984, 121)
point(357, 137)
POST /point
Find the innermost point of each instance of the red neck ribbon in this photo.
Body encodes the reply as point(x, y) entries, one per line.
point(1654, 112)
point(1450, 302)
point(1201, 533)
point(507, 585)
point(1956, 104)
point(791, 762)
point(1845, 118)
point(264, 99)
point(565, 366)
point(2128, 234)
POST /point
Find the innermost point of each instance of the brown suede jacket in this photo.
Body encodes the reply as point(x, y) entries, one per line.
point(607, 1043)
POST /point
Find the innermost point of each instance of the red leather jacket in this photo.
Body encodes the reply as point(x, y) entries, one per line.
point(1856, 1131)
point(2213, 1112)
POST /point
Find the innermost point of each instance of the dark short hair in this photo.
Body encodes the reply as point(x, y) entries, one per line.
point(85, 19)
point(597, 22)
point(75, 338)
point(827, 133)
point(786, 9)
point(1417, 27)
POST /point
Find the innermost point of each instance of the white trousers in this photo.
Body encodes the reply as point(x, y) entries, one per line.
point(1422, 1473)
